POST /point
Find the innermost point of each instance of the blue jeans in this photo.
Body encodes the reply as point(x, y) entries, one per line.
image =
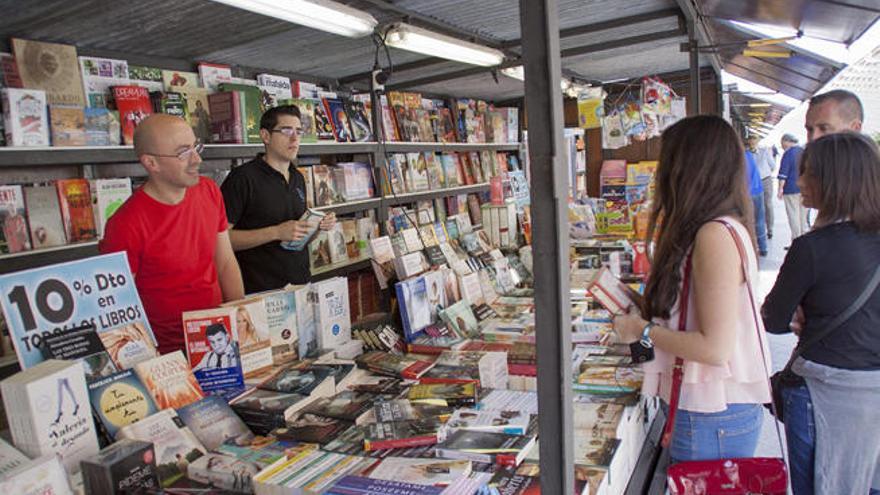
point(800, 435)
point(728, 434)
point(760, 222)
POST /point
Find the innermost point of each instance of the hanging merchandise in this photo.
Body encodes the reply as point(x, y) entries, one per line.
point(631, 117)
point(613, 136)
point(678, 112)
point(591, 108)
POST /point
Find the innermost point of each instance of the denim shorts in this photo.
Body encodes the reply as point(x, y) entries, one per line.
point(728, 434)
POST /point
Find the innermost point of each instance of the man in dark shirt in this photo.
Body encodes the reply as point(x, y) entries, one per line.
point(789, 192)
point(265, 198)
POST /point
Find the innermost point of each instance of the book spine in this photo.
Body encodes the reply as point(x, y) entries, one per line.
point(398, 443)
point(238, 127)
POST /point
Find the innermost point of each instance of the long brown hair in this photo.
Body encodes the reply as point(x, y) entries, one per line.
point(845, 168)
point(700, 177)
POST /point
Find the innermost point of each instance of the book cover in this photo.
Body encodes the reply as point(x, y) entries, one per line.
point(225, 110)
point(418, 170)
point(305, 319)
point(252, 327)
point(9, 70)
point(47, 407)
point(197, 110)
point(68, 125)
point(350, 233)
point(81, 343)
point(262, 451)
point(332, 313)
point(99, 75)
point(281, 324)
point(173, 80)
point(264, 410)
point(224, 472)
point(359, 120)
point(280, 85)
point(303, 380)
point(335, 111)
point(214, 423)
point(323, 122)
point(359, 485)
point(354, 180)
point(610, 292)
point(43, 216)
point(455, 394)
point(111, 194)
point(75, 198)
point(14, 236)
point(45, 475)
point(51, 67)
point(124, 467)
point(102, 127)
point(397, 105)
point(25, 118)
point(312, 428)
point(432, 472)
point(251, 110)
point(609, 379)
point(460, 319)
point(509, 422)
point(10, 458)
point(307, 119)
point(169, 103)
point(450, 168)
point(212, 347)
point(388, 125)
point(146, 77)
point(388, 411)
point(434, 171)
point(169, 380)
point(134, 105)
point(395, 365)
point(378, 436)
point(120, 399)
point(212, 75)
point(129, 345)
point(325, 186)
point(338, 247)
point(478, 446)
point(412, 296)
point(175, 445)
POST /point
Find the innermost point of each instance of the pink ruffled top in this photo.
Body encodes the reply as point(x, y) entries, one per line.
point(706, 388)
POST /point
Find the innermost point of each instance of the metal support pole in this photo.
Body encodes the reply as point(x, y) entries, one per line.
point(379, 154)
point(694, 97)
point(539, 20)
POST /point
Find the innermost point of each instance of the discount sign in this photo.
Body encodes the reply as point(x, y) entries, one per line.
point(37, 303)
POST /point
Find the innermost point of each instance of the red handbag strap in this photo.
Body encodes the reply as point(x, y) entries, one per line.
point(677, 370)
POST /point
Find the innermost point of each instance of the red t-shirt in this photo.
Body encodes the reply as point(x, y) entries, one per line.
point(170, 250)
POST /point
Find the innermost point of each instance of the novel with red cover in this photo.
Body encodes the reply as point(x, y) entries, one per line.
point(75, 200)
point(134, 105)
point(225, 110)
point(610, 292)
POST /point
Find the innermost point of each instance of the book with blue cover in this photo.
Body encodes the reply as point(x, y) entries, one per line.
point(415, 311)
point(120, 399)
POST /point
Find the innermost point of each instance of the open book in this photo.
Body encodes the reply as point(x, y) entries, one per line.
point(313, 217)
point(610, 292)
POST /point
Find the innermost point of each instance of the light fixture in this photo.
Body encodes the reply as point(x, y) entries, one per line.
point(518, 73)
point(751, 52)
point(760, 105)
point(770, 41)
point(324, 15)
point(416, 39)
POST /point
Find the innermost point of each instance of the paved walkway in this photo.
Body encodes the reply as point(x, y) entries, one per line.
point(780, 345)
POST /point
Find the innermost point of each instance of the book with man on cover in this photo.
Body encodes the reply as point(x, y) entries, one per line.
point(212, 346)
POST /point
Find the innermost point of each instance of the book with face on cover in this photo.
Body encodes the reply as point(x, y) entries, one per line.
point(281, 326)
point(252, 327)
point(47, 407)
point(175, 445)
point(212, 345)
point(170, 380)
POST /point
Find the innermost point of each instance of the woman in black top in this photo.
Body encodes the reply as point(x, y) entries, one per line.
point(831, 420)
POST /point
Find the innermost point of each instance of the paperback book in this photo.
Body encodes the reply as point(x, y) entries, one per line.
point(312, 428)
point(175, 445)
point(129, 345)
point(99, 75)
point(509, 422)
point(348, 406)
point(224, 472)
point(264, 410)
point(102, 127)
point(14, 236)
point(252, 327)
point(455, 394)
point(169, 380)
point(387, 411)
point(359, 485)
point(25, 119)
point(51, 67)
point(134, 105)
point(74, 197)
point(42, 476)
point(496, 448)
point(430, 472)
point(126, 466)
point(81, 343)
point(394, 365)
point(212, 347)
point(378, 436)
point(68, 126)
point(44, 216)
point(110, 195)
point(214, 423)
point(119, 400)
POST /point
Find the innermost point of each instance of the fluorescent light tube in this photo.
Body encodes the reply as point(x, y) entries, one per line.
point(518, 73)
point(415, 39)
point(324, 15)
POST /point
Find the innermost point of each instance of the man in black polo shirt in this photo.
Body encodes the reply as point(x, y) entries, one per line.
point(265, 198)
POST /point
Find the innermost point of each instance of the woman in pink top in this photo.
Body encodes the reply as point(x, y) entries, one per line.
point(700, 187)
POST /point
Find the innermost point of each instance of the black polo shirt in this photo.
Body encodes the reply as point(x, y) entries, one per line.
point(257, 196)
